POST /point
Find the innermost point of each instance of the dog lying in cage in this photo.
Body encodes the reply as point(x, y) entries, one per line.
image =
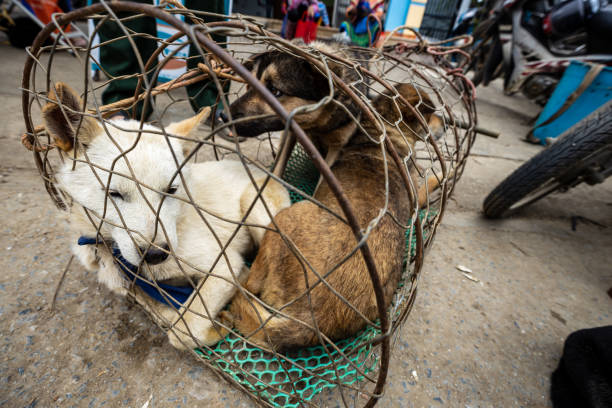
point(326, 289)
point(191, 216)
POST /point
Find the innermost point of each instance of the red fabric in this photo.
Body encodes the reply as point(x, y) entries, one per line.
point(306, 29)
point(44, 9)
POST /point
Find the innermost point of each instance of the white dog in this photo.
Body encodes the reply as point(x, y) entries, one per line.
point(144, 226)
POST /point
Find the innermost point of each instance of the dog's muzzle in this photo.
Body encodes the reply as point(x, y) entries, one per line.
point(256, 127)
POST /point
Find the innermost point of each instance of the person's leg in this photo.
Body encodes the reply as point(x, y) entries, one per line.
point(284, 27)
point(119, 58)
point(203, 93)
point(290, 29)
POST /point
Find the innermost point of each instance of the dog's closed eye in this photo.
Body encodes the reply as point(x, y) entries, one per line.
point(115, 194)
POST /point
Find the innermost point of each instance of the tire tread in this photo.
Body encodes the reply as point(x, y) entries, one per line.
point(588, 135)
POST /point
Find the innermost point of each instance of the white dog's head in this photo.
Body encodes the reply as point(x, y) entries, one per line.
point(139, 217)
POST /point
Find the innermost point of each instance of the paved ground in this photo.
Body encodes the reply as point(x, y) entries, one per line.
point(472, 345)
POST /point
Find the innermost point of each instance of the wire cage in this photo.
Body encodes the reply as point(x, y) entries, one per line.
point(369, 142)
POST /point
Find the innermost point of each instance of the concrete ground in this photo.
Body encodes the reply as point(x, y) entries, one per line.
point(471, 345)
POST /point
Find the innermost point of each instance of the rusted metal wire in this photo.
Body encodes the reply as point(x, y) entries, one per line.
point(437, 155)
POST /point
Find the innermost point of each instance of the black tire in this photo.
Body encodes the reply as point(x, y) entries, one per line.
point(584, 138)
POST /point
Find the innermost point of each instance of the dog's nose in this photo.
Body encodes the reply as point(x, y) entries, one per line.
point(155, 255)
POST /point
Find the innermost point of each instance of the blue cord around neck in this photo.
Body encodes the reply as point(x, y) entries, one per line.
point(173, 296)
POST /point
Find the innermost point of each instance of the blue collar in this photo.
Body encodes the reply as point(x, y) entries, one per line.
point(173, 296)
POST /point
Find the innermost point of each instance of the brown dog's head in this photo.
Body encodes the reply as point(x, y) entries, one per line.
point(295, 82)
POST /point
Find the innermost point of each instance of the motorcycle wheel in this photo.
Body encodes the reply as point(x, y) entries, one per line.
point(541, 175)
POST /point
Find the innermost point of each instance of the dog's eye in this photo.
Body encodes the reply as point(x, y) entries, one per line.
point(115, 194)
point(275, 92)
point(171, 190)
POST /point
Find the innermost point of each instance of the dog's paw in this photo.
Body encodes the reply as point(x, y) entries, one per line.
point(226, 318)
point(201, 332)
point(110, 276)
point(86, 254)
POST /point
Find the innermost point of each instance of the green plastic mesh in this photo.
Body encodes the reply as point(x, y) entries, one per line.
point(301, 173)
point(300, 375)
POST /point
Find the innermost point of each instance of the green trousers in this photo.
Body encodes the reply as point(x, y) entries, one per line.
point(118, 58)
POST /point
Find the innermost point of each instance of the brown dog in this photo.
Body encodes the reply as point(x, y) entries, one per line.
point(279, 277)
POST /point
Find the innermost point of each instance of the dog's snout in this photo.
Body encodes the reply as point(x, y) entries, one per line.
point(156, 255)
point(223, 117)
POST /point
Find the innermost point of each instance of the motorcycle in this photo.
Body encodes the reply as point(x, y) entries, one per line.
point(531, 42)
point(582, 154)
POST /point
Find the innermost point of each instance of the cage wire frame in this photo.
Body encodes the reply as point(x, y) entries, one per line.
point(357, 367)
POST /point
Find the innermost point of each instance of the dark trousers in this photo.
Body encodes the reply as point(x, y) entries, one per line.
point(118, 58)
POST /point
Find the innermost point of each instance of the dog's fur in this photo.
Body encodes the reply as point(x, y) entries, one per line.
point(221, 189)
point(281, 279)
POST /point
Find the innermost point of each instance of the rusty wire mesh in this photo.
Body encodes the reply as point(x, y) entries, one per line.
point(411, 153)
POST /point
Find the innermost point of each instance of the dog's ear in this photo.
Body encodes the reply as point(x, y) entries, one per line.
point(184, 127)
point(418, 99)
point(62, 115)
point(260, 61)
point(254, 60)
point(436, 126)
point(420, 102)
point(249, 64)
